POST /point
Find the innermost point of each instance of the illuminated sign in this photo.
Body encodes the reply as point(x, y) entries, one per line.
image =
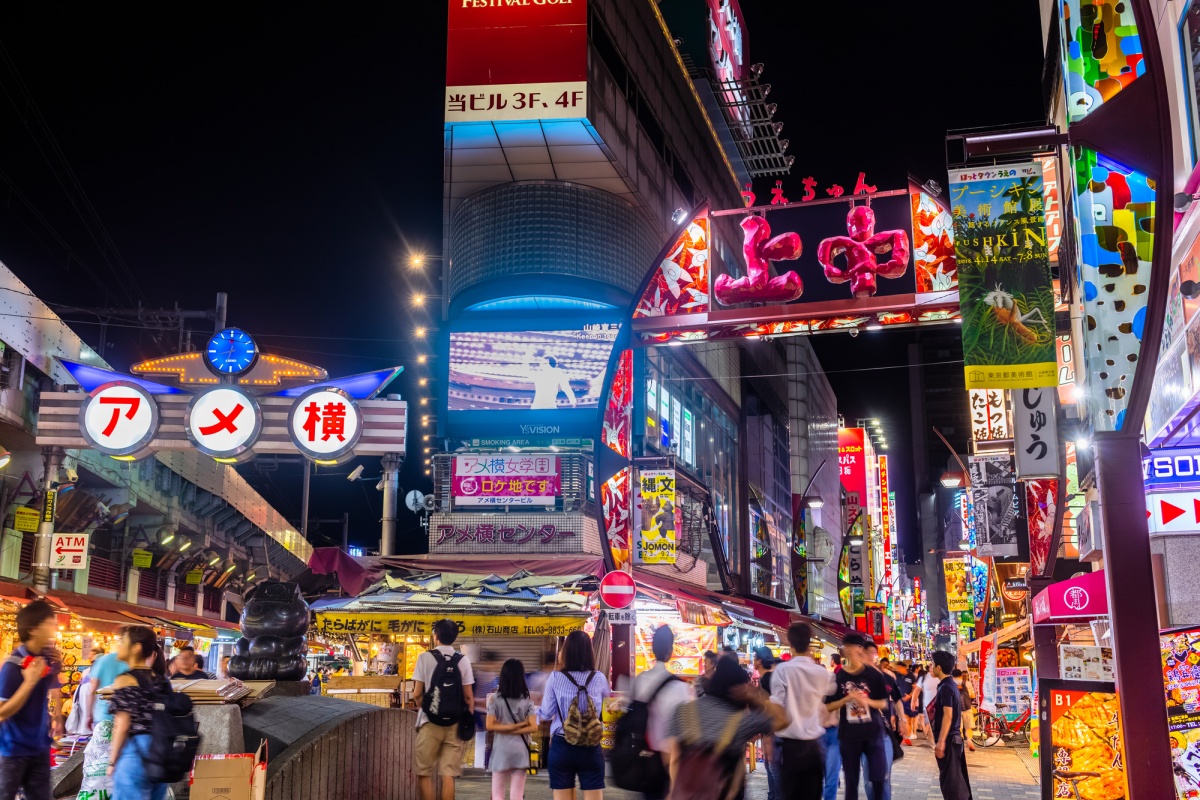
point(505, 480)
point(1171, 468)
point(989, 414)
point(659, 517)
point(514, 533)
point(69, 550)
point(325, 423)
point(516, 61)
point(223, 422)
point(118, 418)
point(852, 464)
point(529, 370)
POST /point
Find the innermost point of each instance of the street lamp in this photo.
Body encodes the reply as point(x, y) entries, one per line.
point(418, 259)
point(419, 299)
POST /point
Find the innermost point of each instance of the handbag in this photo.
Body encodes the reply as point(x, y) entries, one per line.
point(526, 738)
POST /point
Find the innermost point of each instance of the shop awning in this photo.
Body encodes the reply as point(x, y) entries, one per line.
point(116, 612)
point(695, 607)
point(1011, 631)
point(1077, 599)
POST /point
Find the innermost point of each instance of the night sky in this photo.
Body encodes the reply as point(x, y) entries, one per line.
point(291, 156)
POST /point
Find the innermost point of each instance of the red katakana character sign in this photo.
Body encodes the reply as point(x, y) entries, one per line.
point(325, 423)
point(223, 422)
point(119, 418)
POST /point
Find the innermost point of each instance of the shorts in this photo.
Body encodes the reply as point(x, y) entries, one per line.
point(909, 712)
point(438, 746)
point(568, 760)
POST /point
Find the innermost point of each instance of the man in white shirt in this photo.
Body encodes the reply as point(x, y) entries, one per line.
point(438, 747)
point(800, 686)
point(672, 694)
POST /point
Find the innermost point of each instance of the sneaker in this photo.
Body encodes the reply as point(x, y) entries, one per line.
point(906, 743)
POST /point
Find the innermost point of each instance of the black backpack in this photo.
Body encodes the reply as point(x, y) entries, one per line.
point(443, 702)
point(174, 733)
point(637, 768)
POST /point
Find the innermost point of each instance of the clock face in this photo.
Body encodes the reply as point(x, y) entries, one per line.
point(231, 351)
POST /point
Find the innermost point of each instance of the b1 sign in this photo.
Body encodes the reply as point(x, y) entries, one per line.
point(516, 60)
point(502, 480)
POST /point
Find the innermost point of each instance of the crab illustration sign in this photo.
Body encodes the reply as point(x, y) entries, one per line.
point(1006, 294)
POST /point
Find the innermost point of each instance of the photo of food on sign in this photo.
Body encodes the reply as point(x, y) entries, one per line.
point(529, 370)
point(691, 642)
point(1085, 735)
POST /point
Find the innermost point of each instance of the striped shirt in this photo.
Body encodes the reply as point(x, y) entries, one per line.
point(556, 700)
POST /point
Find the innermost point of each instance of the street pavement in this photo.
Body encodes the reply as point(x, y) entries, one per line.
point(997, 773)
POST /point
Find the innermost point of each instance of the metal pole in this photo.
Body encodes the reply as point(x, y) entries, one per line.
point(51, 460)
point(222, 308)
point(1134, 614)
point(391, 497)
point(345, 531)
point(308, 468)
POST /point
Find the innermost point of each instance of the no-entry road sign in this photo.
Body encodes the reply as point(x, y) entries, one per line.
point(617, 590)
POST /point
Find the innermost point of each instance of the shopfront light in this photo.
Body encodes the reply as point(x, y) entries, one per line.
point(170, 537)
point(5, 457)
point(186, 544)
point(214, 561)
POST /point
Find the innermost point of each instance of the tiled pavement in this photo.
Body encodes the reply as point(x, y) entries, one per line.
point(997, 773)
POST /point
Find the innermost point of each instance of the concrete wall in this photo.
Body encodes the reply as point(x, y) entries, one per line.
point(1181, 554)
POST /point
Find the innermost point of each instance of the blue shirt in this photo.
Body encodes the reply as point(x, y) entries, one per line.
point(27, 732)
point(556, 700)
point(105, 671)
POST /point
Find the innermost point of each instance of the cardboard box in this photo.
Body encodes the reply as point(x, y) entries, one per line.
point(239, 776)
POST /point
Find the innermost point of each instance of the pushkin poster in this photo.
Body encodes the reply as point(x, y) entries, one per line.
point(1004, 277)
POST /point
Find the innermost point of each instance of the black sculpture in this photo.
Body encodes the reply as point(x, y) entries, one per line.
point(272, 647)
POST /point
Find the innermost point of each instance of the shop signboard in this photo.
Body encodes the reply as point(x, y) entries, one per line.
point(516, 61)
point(852, 461)
point(26, 520)
point(1083, 734)
point(1181, 678)
point(1041, 501)
point(49, 505)
point(194, 577)
point(996, 504)
point(933, 243)
point(420, 623)
point(658, 517)
point(475, 533)
point(118, 418)
point(1006, 294)
point(615, 504)
point(989, 415)
point(1052, 204)
point(498, 480)
point(691, 642)
point(325, 423)
point(958, 585)
point(1171, 469)
point(223, 422)
point(1035, 433)
point(621, 616)
point(143, 559)
point(1172, 512)
point(69, 550)
point(885, 521)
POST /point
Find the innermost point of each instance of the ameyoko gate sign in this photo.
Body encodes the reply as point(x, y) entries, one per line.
point(243, 403)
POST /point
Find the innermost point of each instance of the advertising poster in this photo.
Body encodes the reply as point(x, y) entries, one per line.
point(691, 641)
point(933, 243)
point(996, 504)
point(1181, 677)
point(989, 415)
point(958, 585)
point(1004, 280)
point(1085, 663)
point(852, 461)
point(658, 517)
point(503, 480)
point(1084, 734)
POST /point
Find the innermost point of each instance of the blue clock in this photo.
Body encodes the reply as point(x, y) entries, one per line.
point(231, 352)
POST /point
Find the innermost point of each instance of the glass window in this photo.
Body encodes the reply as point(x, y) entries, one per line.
point(1189, 35)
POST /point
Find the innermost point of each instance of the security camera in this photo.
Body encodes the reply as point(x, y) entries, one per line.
point(72, 474)
point(355, 473)
point(854, 333)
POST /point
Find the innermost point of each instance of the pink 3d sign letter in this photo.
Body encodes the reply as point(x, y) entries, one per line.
point(862, 249)
point(760, 250)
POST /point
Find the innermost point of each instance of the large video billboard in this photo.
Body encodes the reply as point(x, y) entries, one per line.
point(528, 382)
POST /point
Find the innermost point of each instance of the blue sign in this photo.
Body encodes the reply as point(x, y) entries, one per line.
point(1173, 468)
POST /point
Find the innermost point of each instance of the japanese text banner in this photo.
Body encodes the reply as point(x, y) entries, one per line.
point(1004, 277)
point(421, 623)
point(494, 480)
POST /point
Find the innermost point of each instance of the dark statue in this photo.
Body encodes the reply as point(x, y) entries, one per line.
point(272, 647)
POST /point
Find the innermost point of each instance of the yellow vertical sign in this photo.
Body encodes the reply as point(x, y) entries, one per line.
point(659, 517)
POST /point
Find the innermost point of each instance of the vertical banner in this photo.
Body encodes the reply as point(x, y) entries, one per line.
point(1041, 505)
point(615, 500)
point(996, 504)
point(852, 461)
point(989, 415)
point(958, 585)
point(1035, 433)
point(658, 516)
point(1004, 277)
point(988, 683)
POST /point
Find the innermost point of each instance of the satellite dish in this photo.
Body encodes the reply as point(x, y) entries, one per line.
point(428, 504)
point(415, 500)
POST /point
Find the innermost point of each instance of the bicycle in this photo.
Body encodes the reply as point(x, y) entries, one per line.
point(991, 728)
point(1074, 778)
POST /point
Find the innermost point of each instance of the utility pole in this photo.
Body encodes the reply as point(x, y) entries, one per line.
point(345, 531)
point(308, 469)
point(391, 497)
point(51, 460)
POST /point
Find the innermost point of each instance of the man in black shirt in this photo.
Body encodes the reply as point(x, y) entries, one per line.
point(860, 698)
point(946, 717)
point(904, 682)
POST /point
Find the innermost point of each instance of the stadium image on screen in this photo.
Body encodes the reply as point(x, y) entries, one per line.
point(529, 370)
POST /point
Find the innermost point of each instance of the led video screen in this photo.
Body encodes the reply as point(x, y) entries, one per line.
point(529, 370)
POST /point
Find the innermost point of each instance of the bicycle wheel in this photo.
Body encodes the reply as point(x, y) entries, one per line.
point(989, 732)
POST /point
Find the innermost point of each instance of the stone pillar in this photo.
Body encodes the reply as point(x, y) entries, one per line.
point(131, 587)
point(10, 554)
point(200, 600)
point(171, 579)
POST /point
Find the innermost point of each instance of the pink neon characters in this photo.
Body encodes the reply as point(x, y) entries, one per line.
point(758, 285)
point(862, 249)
